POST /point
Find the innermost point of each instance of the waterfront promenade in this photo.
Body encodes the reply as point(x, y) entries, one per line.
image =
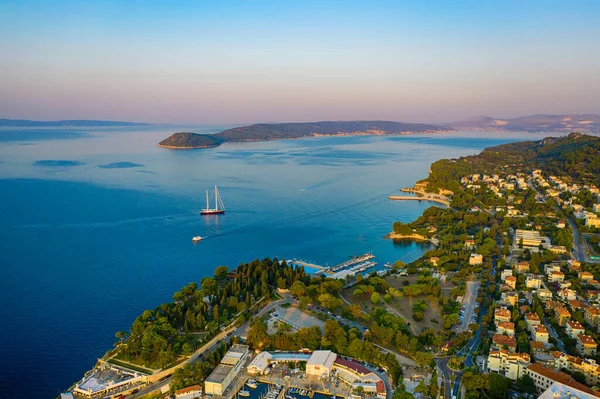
point(420, 196)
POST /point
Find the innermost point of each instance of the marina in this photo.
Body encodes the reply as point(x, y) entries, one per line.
point(356, 264)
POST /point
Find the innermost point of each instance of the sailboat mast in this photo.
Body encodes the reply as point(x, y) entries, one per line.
point(216, 198)
point(207, 206)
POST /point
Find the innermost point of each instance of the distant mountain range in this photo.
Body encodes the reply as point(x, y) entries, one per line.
point(74, 123)
point(588, 123)
point(278, 131)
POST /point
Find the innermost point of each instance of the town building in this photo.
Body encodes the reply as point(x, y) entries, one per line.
point(544, 377)
point(530, 238)
point(510, 365)
point(320, 363)
point(562, 316)
point(522, 267)
point(592, 315)
point(509, 298)
point(532, 320)
point(506, 328)
point(556, 276)
point(511, 281)
point(260, 363)
point(544, 294)
point(505, 273)
point(588, 367)
point(231, 364)
point(533, 281)
point(574, 328)
point(584, 276)
point(501, 315)
point(475, 259)
point(500, 341)
point(193, 392)
point(564, 391)
point(586, 345)
point(540, 334)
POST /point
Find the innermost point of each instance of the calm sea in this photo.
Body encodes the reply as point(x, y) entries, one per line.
point(97, 225)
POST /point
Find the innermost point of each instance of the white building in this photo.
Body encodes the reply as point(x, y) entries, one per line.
point(320, 363)
point(193, 392)
point(231, 364)
point(259, 364)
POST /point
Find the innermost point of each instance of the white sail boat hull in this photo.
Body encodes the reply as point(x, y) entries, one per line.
point(218, 202)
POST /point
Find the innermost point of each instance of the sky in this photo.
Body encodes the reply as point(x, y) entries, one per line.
point(220, 62)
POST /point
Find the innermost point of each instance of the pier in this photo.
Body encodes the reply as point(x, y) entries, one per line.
point(420, 196)
point(352, 266)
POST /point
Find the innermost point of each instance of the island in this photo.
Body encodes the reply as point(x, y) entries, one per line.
point(187, 140)
point(280, 131)
point(507, 299)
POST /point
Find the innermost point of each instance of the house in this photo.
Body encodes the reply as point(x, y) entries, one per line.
point(562, 316)
point(509, 298)
point(192, 392)
point(592, 315)
point(544, 294)
point(469, 244)
point(510, 365)
point(529, 238)
point(501, 315)
point(537, 347)
point(475, 259)
point(567, 295)
point(556, 276)
point(585, 276)
point(577, 304)
point(434, 260)
point(574, 328)
point(586, 345)
point(506, 328)
point(500, 341)
point(532, 321)
point(522, 267)
point(511, 281)
point(259, 364)
point(540, 334)
point(533, 281)
point(588, 367)
point(505, 273)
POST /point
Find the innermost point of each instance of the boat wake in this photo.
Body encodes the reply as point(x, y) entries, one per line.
point(326, 182)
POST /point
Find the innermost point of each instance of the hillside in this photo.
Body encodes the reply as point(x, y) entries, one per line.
point(74, 123)
point(278, 131)
point(190, 140)
point(534, 123)
point(576, 155)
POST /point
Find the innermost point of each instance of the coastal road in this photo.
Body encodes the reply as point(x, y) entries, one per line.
point(211, 345)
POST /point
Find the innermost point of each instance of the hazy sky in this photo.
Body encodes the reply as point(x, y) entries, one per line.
point(251, 61)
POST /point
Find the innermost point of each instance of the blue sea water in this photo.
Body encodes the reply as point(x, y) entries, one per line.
point(86, 247)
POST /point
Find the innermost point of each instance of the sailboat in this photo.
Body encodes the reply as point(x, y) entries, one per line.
point(219, 207)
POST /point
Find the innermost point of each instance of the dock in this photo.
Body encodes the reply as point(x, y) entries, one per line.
point(356, 264)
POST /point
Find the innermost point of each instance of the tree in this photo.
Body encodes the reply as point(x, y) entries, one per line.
point(221, 272)
point(497, 386)
point(375, 298)
point(526, 384)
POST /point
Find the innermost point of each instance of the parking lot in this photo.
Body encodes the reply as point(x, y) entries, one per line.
point(296, 318)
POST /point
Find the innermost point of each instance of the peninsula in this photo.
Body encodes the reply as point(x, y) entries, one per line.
point(280, 131)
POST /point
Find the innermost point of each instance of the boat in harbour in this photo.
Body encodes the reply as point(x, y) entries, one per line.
point(252, 384)
point(219, 207)
point(244, 393)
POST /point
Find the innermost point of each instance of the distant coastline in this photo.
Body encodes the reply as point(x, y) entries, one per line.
point(286, 131)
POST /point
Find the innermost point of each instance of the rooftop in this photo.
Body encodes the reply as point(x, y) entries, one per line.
point(561, 377)
point(219, 374)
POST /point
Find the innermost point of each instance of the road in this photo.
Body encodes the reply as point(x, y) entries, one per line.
point(554, 334)
point(211, 345)
point(578, 250)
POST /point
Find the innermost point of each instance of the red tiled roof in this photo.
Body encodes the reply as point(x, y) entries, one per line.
point(561, 377)
point(352, 366)
point(502, 340)
point(188, 389)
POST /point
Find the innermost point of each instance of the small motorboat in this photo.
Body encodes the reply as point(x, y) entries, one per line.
point(196, 238)
point(244, 393)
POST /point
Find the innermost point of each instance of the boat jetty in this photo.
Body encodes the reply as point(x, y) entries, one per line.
point(357, 264)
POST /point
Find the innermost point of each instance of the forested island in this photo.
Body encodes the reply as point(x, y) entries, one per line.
point(279, 131)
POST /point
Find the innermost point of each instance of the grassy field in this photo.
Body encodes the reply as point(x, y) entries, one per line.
point(404, 307)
